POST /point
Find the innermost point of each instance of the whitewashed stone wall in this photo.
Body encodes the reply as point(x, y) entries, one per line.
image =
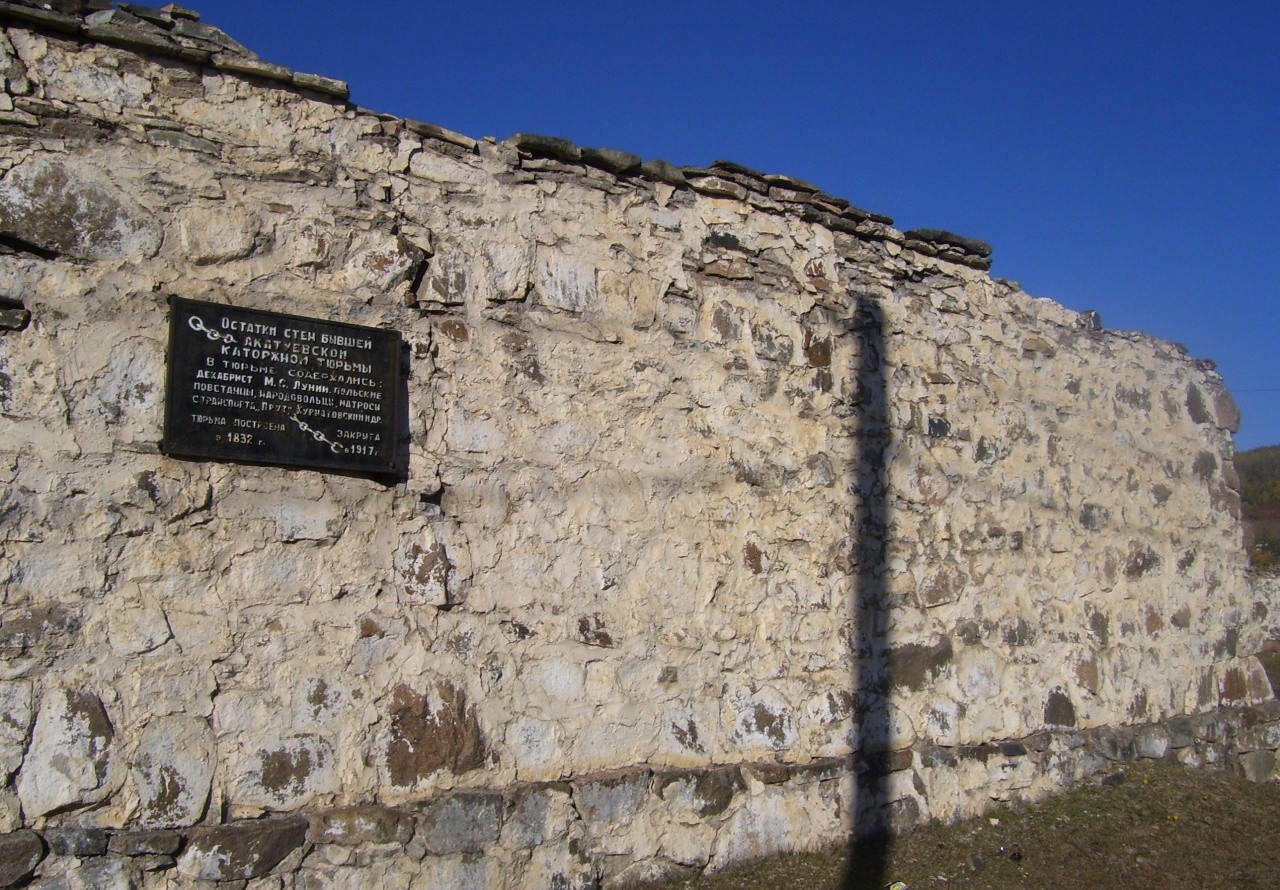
point(720, 494)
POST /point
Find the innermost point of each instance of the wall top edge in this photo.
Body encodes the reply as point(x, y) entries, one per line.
point(175, 32)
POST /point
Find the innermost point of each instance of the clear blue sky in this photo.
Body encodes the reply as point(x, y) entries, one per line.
point(1120, 156)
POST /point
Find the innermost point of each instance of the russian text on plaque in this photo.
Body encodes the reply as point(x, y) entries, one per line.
point(281, 389)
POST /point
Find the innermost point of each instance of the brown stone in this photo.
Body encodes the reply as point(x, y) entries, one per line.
point(770, 343)
point(1058, 710)
point(1258, 684)
point(732, 268)
point(1141, 560)
point(1153, 620)
point(714, 790)
point(942, 586)
point(686, 733)
point(286, 774)
point(1094, 516)
point(817, 352)
point(767, 773)
point(1205, 465)
point(1087, 674)
point(914, 664)
point(1234, 686)
point(591, 630)
point(824, 769)
point(726, 323)
point(983, 752)
point(20, 853)
point(427, 737)
point(241, 851)
point(454, 329)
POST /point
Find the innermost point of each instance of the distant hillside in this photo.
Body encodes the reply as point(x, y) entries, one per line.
point(1260, 492)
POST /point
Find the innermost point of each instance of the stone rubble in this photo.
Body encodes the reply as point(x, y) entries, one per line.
point(733, 520)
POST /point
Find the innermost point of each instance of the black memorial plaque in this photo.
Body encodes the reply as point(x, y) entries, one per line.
point(271, 388)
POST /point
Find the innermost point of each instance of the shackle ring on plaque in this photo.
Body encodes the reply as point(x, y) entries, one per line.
point(196, 323)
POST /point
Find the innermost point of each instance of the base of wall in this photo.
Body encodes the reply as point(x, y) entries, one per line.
point(634, 824)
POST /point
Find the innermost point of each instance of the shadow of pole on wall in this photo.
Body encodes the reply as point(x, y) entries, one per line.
point(868, 494)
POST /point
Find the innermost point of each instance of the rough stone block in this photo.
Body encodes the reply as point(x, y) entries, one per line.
point(538, 814)
point(14, 319)
point(173, 771)
point(66, 766)
point(463, 823)
point(106, 873)
point(763, 826)
point(76, 841)
point(1258, 766)
point(355, 825)
point(1181, 732)
point(547, 146)
point(67, 206)
point(145, 843)
point(564, 282)
point(212, 233)
point(327, 85)
point(38, 631)
point(911, 665)
point(241, 851)
point(1152, 742)
point(1058, 709)
point(760, 720)
point(288, 773)
point(1269, 657)
point(611, 799)
point(20, 853)
point(431, 732)
point(616, 162)
point(16, 713)
point(767, 773)
point(1013, 749)
point(1226, 412)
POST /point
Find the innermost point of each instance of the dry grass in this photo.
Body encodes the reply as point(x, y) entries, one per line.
point(1158, 825)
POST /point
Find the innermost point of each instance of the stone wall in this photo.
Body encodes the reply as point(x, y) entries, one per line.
point(733, 519)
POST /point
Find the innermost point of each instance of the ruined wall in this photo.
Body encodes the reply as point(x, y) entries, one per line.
point(732, 514)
